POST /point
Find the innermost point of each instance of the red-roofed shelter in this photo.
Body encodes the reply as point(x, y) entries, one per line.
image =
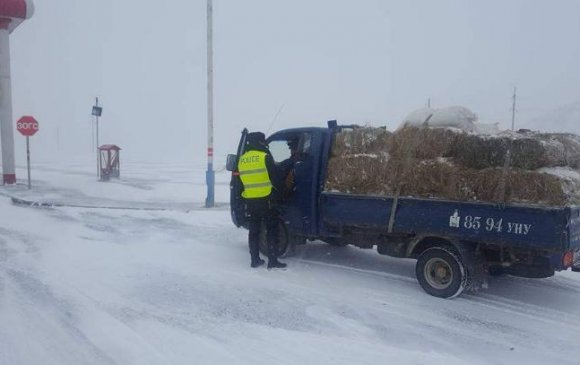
point(109, 161)
point(14, 12)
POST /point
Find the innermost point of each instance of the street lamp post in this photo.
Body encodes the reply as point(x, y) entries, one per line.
point(210, 174)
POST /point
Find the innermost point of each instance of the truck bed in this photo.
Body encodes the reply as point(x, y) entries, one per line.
point(550, 229)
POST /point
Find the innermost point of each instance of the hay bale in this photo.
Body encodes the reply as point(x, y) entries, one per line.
point(562, 149)
point(422, 143)
point(427, 179)
point(358, 174)
point(360, 140)
point(477, 152)
point(528, 150)
point(447, 164)
point(521, 186)
point(470, 150)
point(441, 179)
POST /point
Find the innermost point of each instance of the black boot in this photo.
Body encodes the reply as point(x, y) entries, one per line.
point(275, 264)
point(257, 262)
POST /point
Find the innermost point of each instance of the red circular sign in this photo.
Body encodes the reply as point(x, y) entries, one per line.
point(27, 125)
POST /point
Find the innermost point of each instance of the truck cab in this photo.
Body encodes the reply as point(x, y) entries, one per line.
point(297, 153)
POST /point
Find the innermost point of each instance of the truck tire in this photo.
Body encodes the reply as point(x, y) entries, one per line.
point(284, 246)
point(441, 272)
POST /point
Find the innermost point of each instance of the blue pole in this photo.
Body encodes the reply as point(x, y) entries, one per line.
point(210, 181)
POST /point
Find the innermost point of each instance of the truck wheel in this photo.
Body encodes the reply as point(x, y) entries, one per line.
point(441, 272)
point(283, 242)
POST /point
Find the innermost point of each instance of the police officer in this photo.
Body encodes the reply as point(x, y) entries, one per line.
point(262, 185)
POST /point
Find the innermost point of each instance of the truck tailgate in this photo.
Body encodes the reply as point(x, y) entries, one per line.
point(574, 227)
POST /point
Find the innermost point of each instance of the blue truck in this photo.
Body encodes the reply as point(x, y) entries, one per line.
point(457, 245)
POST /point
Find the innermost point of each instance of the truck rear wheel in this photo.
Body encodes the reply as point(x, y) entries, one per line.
point(441, 272)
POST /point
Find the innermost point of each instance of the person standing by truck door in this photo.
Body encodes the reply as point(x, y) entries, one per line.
point(286, 167)
point(261, 180)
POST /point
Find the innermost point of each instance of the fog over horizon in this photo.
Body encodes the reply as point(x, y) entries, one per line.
point(281, 64)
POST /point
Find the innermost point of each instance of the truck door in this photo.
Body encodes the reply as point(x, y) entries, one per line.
point(292, 154)
point(237, 206)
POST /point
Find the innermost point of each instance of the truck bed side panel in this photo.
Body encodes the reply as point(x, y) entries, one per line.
point(529, 227)
point(517, 226)
point(362, 211)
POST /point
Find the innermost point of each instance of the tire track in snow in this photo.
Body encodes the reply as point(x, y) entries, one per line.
point(519, 308)
point(480, 298)
point(359, 271)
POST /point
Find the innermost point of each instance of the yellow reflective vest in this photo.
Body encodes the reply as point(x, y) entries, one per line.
point(254, 175)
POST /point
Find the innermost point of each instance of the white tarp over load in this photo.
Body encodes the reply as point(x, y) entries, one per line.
point(453, 116)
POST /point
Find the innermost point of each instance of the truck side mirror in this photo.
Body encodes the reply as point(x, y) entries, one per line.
point(231, 162)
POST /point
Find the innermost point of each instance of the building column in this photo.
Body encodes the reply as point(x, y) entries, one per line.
point(6, 121)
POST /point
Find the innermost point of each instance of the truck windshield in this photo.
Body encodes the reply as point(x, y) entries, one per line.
point(295, 146)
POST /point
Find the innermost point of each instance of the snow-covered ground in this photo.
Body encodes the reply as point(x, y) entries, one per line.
point(120, 286)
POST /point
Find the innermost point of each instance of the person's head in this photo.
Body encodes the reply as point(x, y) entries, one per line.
point(256, 140)
point(293, 143)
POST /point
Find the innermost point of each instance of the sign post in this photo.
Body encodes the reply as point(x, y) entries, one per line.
point(97, 112)
point(28, 160)
point(27, 126)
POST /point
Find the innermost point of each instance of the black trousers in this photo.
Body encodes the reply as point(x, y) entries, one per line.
point(263, 211)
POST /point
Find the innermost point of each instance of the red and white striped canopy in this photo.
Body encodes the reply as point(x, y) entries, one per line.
point(13, 12)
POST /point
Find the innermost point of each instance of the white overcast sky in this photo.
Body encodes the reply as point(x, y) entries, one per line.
point(358, 61)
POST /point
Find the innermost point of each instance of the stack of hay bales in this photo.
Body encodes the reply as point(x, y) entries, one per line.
point(448, 163)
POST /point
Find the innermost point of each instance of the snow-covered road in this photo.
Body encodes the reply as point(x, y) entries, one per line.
point(102, 286)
